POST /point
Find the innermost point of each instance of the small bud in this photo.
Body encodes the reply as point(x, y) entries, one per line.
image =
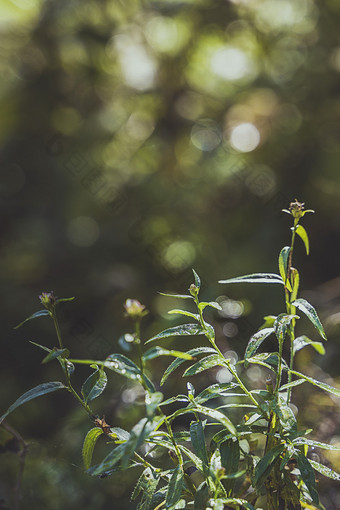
point(269, 384)
point(296, 209)
point(48, 300)
point(193, 290)
point(134, 309)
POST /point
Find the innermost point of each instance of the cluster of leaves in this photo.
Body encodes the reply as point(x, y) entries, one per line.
point(260, 461)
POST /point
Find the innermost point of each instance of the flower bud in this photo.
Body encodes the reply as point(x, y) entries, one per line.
point(297, 209)
point(48, 300)
point(134, 309)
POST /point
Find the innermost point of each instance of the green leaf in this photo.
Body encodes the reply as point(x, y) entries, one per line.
point(302, 341)
point(236, 501)
point(284, 413)
point(198, 441)
point(323, 386)
point(295, 278)
point(282, 323)
point(40, 313)
point(216, 415)
point(230, 458)
point(55, 353)
point(212, 304)
point(208, 362)
point(138, 435)
point(182, 330)
point(197, 279)
point(292, 384)
point(308, 476)
point(301, 232)
point(120, 434)
point(89, 444)
point(196, 460)
point(325, 471)
point(110, 461)
point(184, 312)
point(215, 391)
point(310, 312)
point(264, 466)
point(41, 346)
point(256, 278)
point(178, 362)
point(316, 444)
point(255, 342)
point(179, 296)
point(201, 497)
point(94, 385)
point(177, 398)
point(152, 401)
point(155, 352)
point(266, 359)
point(148, 485)
point(283, 265)
point(62, 300)
point(36, 392)
point(175, 487)
point(122, 365)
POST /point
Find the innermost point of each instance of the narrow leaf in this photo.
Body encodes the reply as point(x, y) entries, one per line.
point(212, 304)
point(283, 265)
point(256, 340)
point(237, 501)
point(295, 279)
point(198, 441)
point(302, 341)
point(197, 279)
point(94, 385)
point(301, 232)
point(152, 401)
point(89, 444)
point(264, 466)
point(315, 444)
point(178, 362)
point(209, 362)
point(230, 458)
point(215, 391)
point(122, 365)
point(155, 352)
point(182, 330)
point(40, 313)
point(201, 497)
point(256, 278)
point(55, 353)
point(326, 471)
point(185, 312)
point(110, 461)
point(281, 325)
point(179, 296)
point(175, 487)
point(38, 391)
point(323, 386)
point(216, 415)
point(310, 312)
point(64, 299)
point(308, 476)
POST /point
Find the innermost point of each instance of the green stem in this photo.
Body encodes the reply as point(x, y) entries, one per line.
point(225, 361)
point(289, 308)
point(67, 375)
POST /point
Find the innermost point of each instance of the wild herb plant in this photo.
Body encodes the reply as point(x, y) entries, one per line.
point(260, 462)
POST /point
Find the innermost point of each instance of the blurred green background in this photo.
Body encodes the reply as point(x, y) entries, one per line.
point(141, 139)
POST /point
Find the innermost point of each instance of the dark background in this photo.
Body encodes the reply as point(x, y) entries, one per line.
point(141, 139)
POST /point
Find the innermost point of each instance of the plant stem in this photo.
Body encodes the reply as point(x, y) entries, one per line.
point(67, 375)
point(225, 361)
